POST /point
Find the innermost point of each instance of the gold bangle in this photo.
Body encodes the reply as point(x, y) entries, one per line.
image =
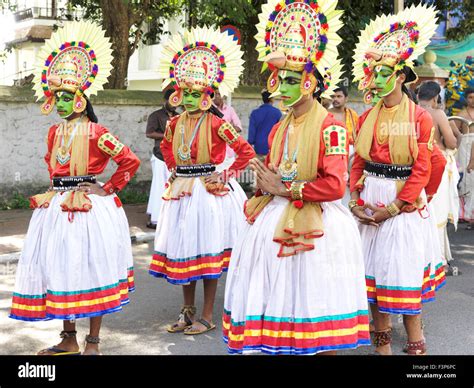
point(352, 204)
point(393, 209)
point(296, 190)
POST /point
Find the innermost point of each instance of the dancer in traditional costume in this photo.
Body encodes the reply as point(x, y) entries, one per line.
point(201, 214)
point(445, 202)
point(77, 258)
point(296, 278)
point(392, 166)
point(465, 156)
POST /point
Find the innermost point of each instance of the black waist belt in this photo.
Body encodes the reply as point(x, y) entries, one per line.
point(65, 183)
point(389, 171)
point(195, 170)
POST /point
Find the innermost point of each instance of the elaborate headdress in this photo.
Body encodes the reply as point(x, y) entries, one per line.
point(202, 59)
point(300, 35)
point(77, 59)
point(395, 41)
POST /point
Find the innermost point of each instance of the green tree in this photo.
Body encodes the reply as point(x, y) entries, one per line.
point(242, 14)
point(127, 23)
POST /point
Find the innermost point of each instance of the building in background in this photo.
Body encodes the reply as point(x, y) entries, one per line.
point(25, 31)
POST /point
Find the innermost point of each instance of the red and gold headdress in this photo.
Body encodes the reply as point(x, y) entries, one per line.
point(393, 40)
point(300, 35)
point(77, 59)
point(202, 59)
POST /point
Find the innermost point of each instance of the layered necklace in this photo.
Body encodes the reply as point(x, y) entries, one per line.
point(63, 155)
point(288, 167)
point(184, 150)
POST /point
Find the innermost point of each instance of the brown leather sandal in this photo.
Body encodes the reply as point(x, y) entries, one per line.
point(184, 320)
point(416, 348)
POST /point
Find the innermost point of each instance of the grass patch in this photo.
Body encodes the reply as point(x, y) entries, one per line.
point(17, 201)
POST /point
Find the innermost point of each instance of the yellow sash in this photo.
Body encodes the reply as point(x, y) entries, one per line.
point(297, 228)
point(395, 125)
point(184, 186)
point(78, 165)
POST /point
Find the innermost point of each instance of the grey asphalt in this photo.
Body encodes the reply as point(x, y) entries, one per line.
point(140, 327)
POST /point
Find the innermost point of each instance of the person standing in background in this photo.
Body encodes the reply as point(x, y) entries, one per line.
point(262, 120)
point(343, 113)
point(466, 186)
point(228, 112)
point(446, 200)
point(155, 129)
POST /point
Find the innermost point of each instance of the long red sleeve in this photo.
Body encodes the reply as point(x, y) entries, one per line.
point(49, 144)
point(421, 168)
point(438, 163)
point(358, 164)
point(222, 134)
point(127, 162)
point(166, 144)
point(330, 184)
point(244, 152)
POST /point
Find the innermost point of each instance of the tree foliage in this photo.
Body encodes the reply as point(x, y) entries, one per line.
point(127, 23)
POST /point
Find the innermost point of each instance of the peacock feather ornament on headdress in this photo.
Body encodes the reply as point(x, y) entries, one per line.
point(301, 36)
point(76, 59)
point(394, 41)
point(202, 59)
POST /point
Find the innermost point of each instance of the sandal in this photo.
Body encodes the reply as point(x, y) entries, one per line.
point(382, 338)
point(56, 350)
point(184, 320)
point(208, 327)
point(417, 348)
point(92, 340)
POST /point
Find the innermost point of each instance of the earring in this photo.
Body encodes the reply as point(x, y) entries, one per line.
point(273, 83)
point(308, 84)
point(48, 105)
point(205, 101)
point(176, 98)
point(79, 104)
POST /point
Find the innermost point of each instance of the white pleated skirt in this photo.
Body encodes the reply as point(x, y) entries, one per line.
point(158, 182)
point(308, 303)
point(402, 260)
point(74, 265)
point(195, 234)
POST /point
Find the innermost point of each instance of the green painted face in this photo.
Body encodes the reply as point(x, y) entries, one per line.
point(290, 87)
point(64, 104)
point(191, 100)
point(385, 80)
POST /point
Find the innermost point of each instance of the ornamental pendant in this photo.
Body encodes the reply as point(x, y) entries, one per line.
point(184, 152)
point(288, 171)
point(63, 156)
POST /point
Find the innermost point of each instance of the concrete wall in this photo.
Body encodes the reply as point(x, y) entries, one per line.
point(23, 130)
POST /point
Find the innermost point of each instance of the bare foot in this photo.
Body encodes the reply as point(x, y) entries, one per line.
point(385, 350)
point(91, 350)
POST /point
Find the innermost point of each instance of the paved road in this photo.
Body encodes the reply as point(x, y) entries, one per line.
point(140, 328)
